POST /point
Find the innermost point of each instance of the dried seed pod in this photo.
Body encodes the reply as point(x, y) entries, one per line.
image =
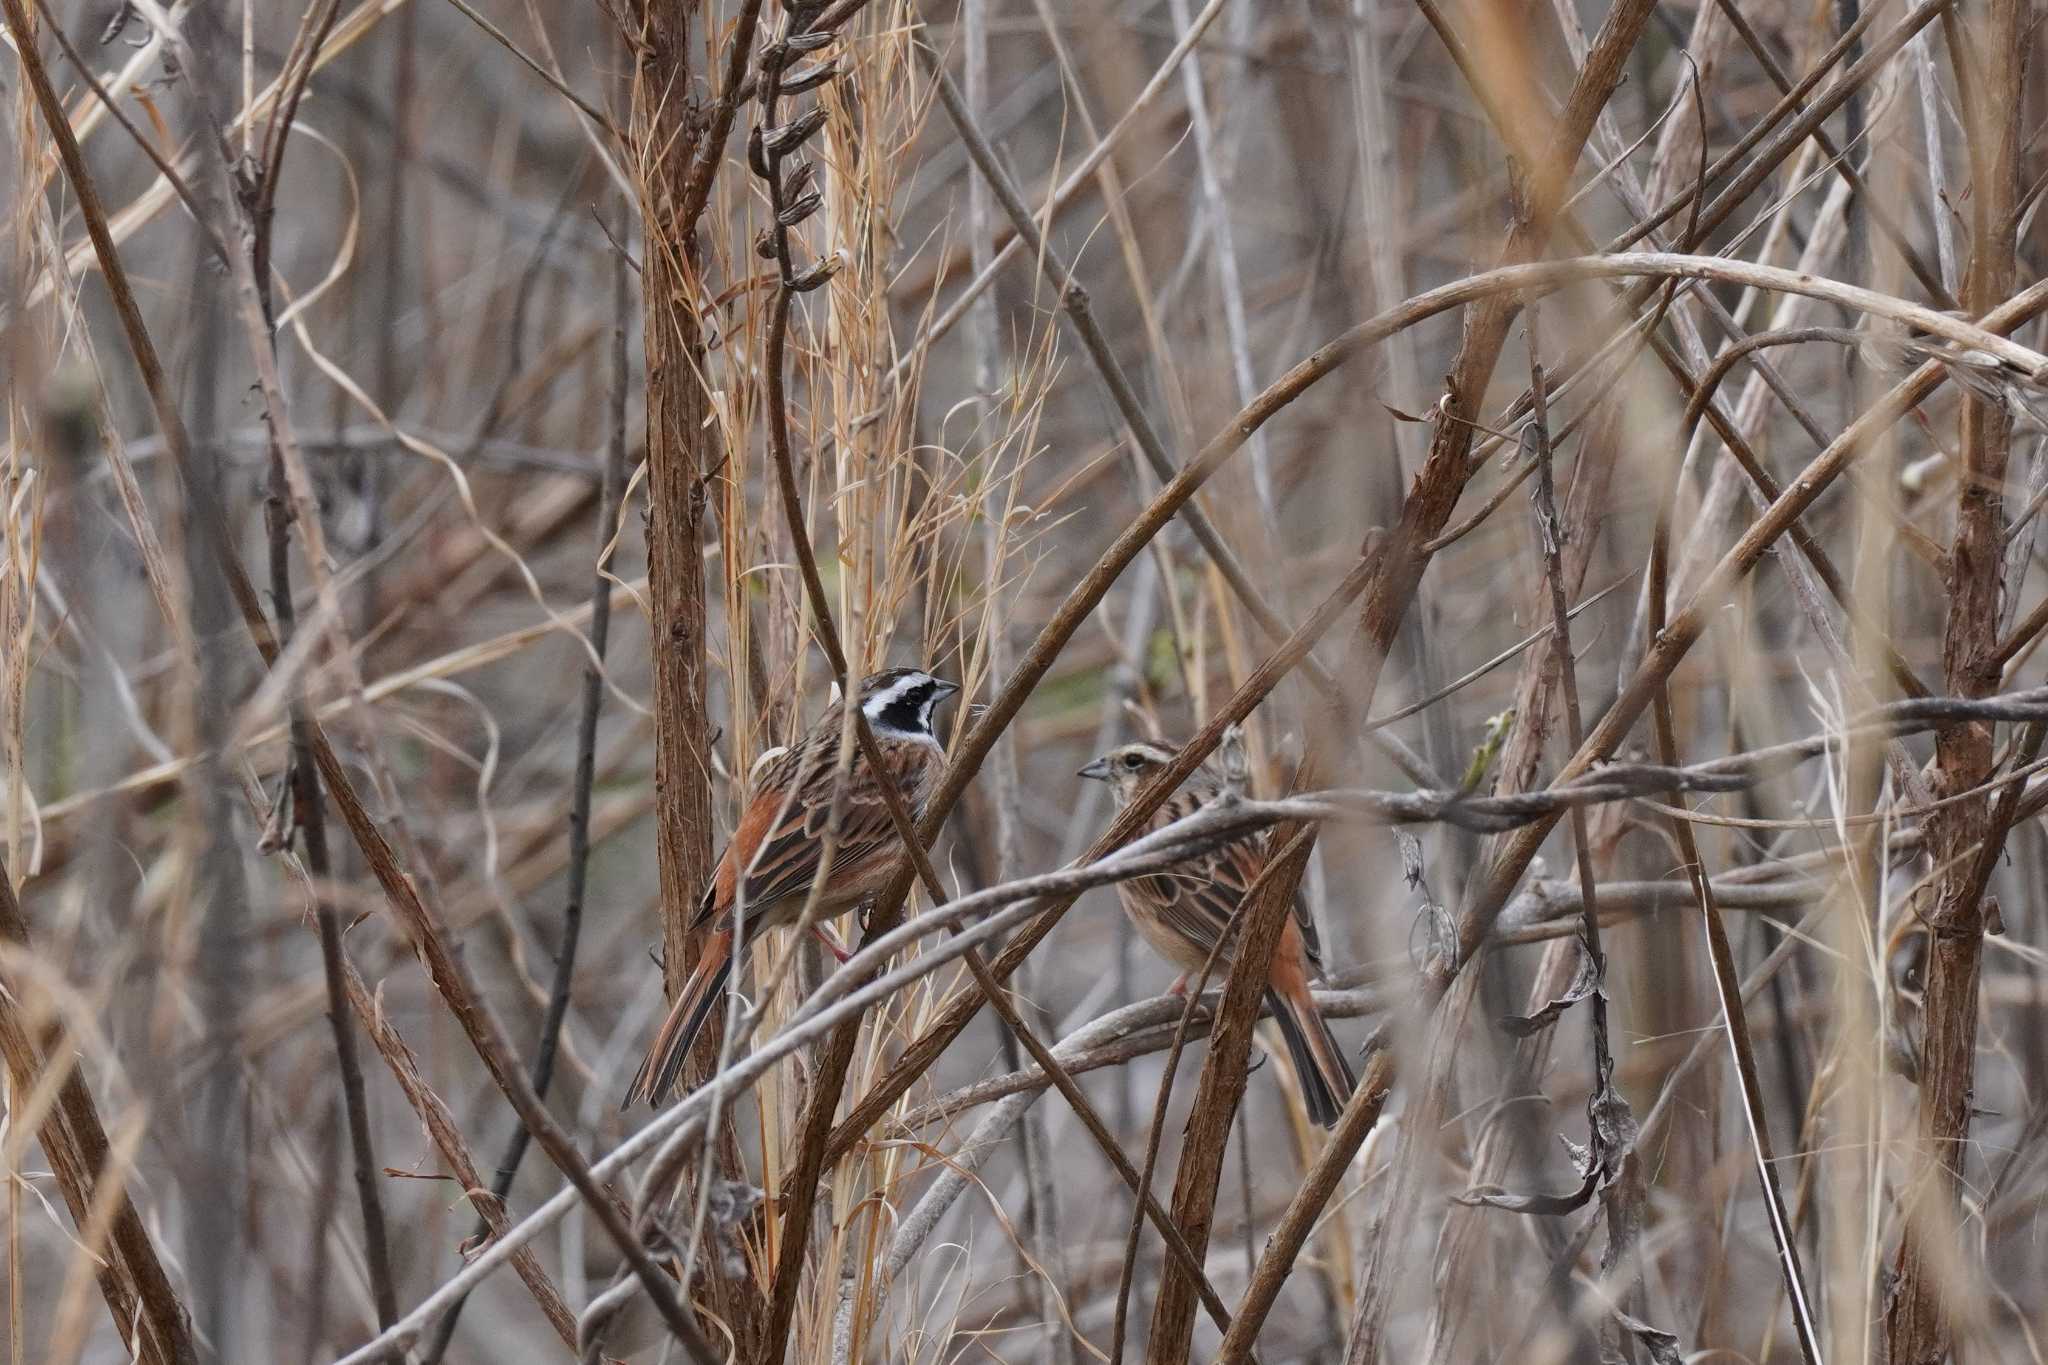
point(800, 208)
point(799, 180)
point(810, 78)
point(780, 53)
point(788, 137)
point(816, 275)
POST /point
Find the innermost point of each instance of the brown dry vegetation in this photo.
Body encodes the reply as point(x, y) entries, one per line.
point(447, 445)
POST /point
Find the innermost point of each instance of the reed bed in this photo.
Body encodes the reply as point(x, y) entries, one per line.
point(1577, 469)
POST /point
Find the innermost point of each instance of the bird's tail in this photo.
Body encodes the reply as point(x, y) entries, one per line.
point(671, 1046)
point(1326, 1077)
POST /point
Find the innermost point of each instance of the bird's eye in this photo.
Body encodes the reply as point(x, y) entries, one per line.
point(1133, 762)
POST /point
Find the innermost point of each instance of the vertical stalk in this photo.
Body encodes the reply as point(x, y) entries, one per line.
point(370, 473)
point(1935, 1278)
point(218, 890)
point(666, 123)
point(676, 460)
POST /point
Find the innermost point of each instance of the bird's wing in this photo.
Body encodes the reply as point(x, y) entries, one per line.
point(1311, 941)
point(1197, 898)
point(1186, 901)
point(794, 808)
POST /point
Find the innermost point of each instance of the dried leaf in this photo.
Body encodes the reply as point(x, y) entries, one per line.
point(1439, 934)
point(1411, 857)
point(1543, 1205)
point(1584, 982)
point(1662, 1345)
point(1614, 1127)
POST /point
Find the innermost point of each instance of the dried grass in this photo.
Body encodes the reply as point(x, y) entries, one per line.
point(1182, 365)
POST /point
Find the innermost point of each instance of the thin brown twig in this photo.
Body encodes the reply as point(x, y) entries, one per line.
point(1151, 1027)
point(1811, 117)
point(301, 780)
point(1701, 404)
point(1155, 1131)
point(1306, 1208)
point(443, 1130)
point(1264, 913)
point(710, 152)
point(1720, 955)
point(314, 27)
point(309, 818)
point(1610, 1126)
point(1928, 276)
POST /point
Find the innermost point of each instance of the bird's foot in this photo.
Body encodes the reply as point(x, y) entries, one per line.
point(832, 943)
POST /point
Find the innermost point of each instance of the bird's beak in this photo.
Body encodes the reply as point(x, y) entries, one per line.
point(946, 689)
point(1099, 770)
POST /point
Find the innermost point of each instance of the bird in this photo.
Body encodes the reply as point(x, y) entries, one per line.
point(775, 850)
point(1184, 912)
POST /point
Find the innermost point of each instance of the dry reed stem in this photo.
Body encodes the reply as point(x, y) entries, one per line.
point(1798, 196)
point(1935, 1280)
